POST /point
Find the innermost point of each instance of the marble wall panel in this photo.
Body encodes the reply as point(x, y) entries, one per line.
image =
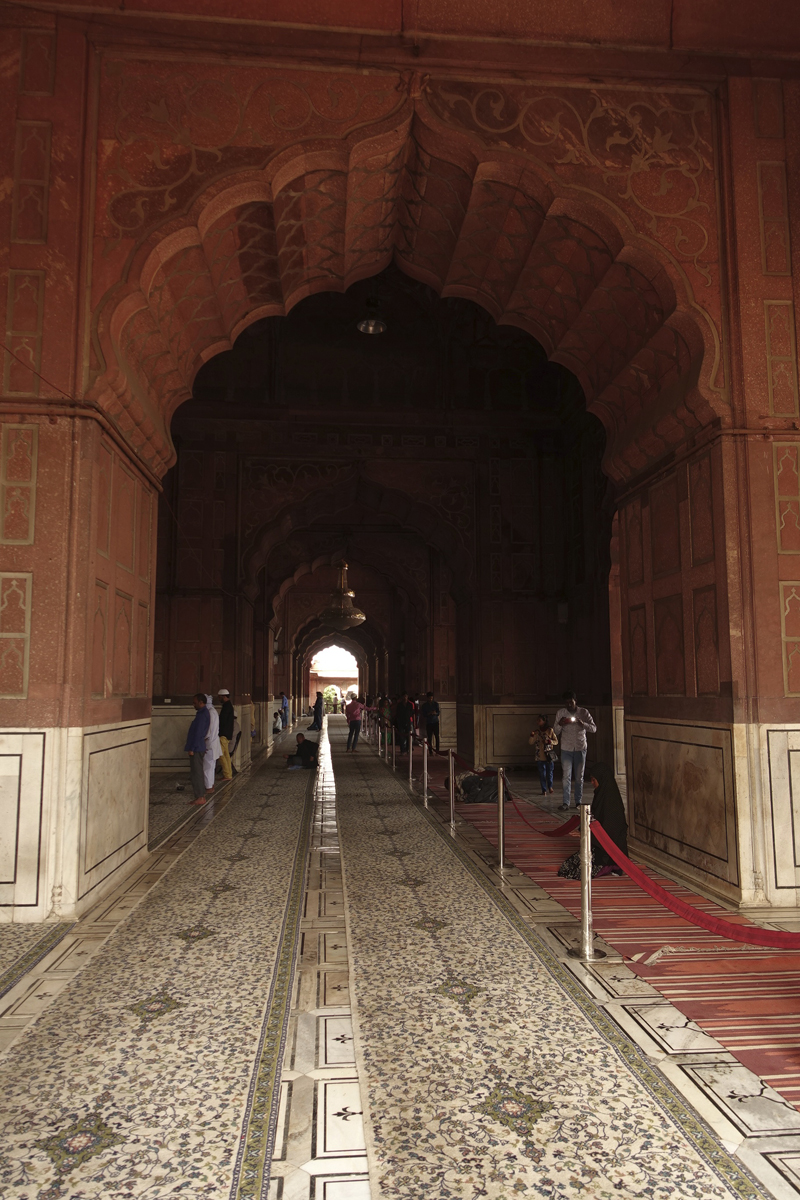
point(681, 794)
point(501, 732)
point(115, 795)
point(21, 806)
point(783, 756)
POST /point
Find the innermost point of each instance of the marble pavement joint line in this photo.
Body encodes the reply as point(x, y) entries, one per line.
point(487, 1067)
point(252, 1170)
point(34, 955)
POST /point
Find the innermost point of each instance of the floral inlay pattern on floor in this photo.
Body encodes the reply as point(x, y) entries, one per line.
point(487, 1070)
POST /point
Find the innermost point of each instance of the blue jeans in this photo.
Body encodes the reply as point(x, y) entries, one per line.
point(546, 773)
point(572, 764)
point(352, 737)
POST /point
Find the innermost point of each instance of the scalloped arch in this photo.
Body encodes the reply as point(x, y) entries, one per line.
point(482, 225)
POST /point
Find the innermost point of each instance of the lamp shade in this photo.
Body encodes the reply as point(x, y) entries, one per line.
point(341, 613)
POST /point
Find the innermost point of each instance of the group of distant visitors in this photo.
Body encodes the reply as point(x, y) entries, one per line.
point(402, 715)
point(213, 737)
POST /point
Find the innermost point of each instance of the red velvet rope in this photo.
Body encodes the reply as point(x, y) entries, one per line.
point(568, 826)
point(737, 933)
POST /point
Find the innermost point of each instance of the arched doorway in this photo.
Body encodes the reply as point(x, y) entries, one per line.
point(529, 202)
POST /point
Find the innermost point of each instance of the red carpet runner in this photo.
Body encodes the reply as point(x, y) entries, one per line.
point(747, 997)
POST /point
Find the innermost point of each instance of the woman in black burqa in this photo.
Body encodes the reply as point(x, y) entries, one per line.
point(608, 809)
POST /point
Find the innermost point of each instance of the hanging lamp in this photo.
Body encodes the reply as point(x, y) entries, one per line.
point(341, 613)
point(372, 321)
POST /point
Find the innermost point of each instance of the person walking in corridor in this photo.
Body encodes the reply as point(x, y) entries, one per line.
point(319, 710)
point(196, 747)
point(213, 748)
point(544, 739)
point(572, 724)
point(429, 715)
point(403, 722)
point(226, 719)
point(353, 712)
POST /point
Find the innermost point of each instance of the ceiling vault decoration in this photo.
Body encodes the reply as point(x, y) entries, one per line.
point(582, 217)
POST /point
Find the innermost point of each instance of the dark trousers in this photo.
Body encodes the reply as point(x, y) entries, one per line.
point(432, 734)
point(352, 737)
point(546, 773)
point(196, 771)
point(402, 739)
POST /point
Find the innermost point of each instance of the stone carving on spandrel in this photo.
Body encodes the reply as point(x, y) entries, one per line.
point(651, 151)
point(167, 132)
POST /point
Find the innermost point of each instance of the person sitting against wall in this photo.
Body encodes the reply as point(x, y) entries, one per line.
point(609, 811)
point(304, 757)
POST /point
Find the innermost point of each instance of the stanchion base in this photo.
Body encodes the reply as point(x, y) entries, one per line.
point(579, 954)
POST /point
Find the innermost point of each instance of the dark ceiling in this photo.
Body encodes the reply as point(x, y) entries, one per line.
point(436, 354)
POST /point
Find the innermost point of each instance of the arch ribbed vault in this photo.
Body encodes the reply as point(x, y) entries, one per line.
point(478, 225)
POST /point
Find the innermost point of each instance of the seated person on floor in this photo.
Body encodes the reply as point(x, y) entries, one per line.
point(304, 757)
point(472, 788)
point(608, 809)
point(277, 723)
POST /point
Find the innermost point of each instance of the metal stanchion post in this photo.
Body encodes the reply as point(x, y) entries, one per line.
point(501, 818)
point(452, 789)
point(586, 952)
point(425, 772)
point(411, 758)
point(385, 743)
point(394, 750)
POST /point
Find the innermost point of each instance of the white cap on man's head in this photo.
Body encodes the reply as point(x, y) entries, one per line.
point(223, 692)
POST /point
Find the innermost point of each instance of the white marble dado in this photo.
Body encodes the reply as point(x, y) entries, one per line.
point(682, 798)
point(78, 820)
point(21, 803)
point(734, 831)
point(170, 723)
point(499, 732)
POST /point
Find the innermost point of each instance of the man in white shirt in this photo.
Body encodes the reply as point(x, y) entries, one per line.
point(572, 724)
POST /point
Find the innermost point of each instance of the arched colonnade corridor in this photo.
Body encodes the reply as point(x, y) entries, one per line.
point(568, 459)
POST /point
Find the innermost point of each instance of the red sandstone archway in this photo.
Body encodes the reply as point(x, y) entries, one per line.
point(486, 224)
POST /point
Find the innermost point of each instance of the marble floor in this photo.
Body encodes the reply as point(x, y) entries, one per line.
point(313, 990)
point(490, 1063)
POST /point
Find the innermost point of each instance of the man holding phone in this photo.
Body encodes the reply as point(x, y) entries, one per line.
point(572, 725)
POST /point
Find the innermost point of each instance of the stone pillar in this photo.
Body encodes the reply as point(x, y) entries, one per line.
point(76, 596)
point(709, 583)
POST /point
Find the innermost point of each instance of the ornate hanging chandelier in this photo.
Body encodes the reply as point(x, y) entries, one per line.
point(341, 613)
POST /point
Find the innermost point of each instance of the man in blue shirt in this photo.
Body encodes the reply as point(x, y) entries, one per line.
point(196, 747)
